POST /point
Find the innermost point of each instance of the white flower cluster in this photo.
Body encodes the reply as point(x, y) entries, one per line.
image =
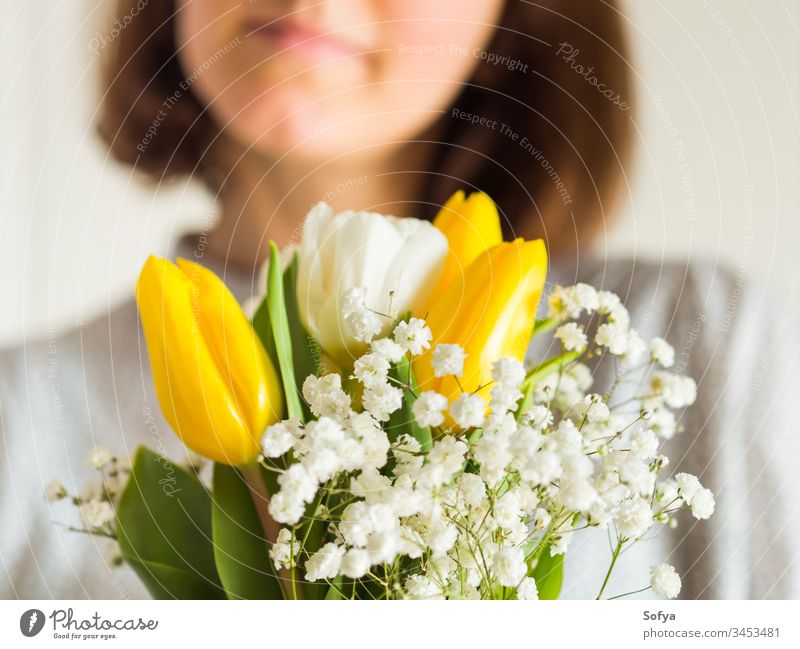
point(96, 500)
point(468, 514)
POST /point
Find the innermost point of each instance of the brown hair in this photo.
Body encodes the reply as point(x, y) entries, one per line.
point(543, 126)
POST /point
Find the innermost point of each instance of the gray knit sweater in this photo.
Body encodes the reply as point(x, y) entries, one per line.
point(64, 394)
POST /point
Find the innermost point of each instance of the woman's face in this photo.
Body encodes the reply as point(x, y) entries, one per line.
point(332, 76)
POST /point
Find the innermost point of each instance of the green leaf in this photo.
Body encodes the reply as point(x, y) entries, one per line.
point(543, 326)
point(307, 352)
point(164, 530)
point(335, 589)
point(544, 369)
point(263, 329)
point(240, 550)
point(402, 421)
point(276, 305)
point(548, 574)
point(168, 582)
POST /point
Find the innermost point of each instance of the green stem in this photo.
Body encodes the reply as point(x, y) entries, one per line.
point(260, 496)
point(632, 592)
point(620, 543)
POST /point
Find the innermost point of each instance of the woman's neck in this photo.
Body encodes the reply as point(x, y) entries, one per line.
point(265, 200)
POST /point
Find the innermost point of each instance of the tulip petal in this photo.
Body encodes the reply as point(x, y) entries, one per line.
point(183, 323)
point(396, 260)
point(490, 310)
point(472, 226)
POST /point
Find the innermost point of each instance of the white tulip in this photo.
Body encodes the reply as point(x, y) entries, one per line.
point(397, 261)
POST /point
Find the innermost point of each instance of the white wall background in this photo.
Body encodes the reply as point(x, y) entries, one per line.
point(717, 175)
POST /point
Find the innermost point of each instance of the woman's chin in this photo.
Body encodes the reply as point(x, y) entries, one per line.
point(296, 127)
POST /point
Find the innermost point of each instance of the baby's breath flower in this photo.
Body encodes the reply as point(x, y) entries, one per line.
point(420, 587)
point(96, 514)
point(688, 485)
point(572, 336)
point(326, 397)
point(371, 369)
point(277, 440)
point(382, 400)
point(635, 348)
point(677, 391)
point(633, 518)
point(613, 337)
point(664, 580)
point(355, 563)
point(702, 504)
point(596, 408)
point(325, 562)
point(508, 372)
point(54, 491)
point(362, 325)
point(387, 348)
point(413, 336)
point(429, 408)
point(539, 416)
point(281, 550)
point(98, 457)
point(527, 589)
point(467, 411)
point(509, 566)
point(448, 360)
point(661, 352)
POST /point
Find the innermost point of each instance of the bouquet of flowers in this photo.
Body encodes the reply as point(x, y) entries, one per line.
point(375, 431)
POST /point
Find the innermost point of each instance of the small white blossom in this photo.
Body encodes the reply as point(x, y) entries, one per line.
point(281, 550)
point(54, 491)
point(371, 369)
point(325, 396)
point(572, 336)
point(702, 504)
point(527, 589)
point(509, 566)
point(539, 416)
point(596, 408)
point(413, 336)
point(664, 580)
point(468, 410)
point(661, 352)
point(353, 299)
point(277, 439)
point(325, 562)
point(635, 348)
point(98, 457)
point(448, 360)
point(388, 349)
point(285, 508)
point(420, 587)
point(96, 514)
point(688, 485)
point(472, 489)
point(382, 400)
point(676, 390)
point(362, 325)
point(633, 519)
point(644, 443)
point(355, 563)
point(429, 408)
point(614, 337)
point(509, 372)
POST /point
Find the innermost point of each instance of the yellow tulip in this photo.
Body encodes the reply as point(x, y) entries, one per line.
point(216, 386)
point(489, 310)
point(471, 226)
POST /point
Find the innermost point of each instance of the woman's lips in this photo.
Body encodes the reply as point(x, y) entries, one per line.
point(294, 39)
